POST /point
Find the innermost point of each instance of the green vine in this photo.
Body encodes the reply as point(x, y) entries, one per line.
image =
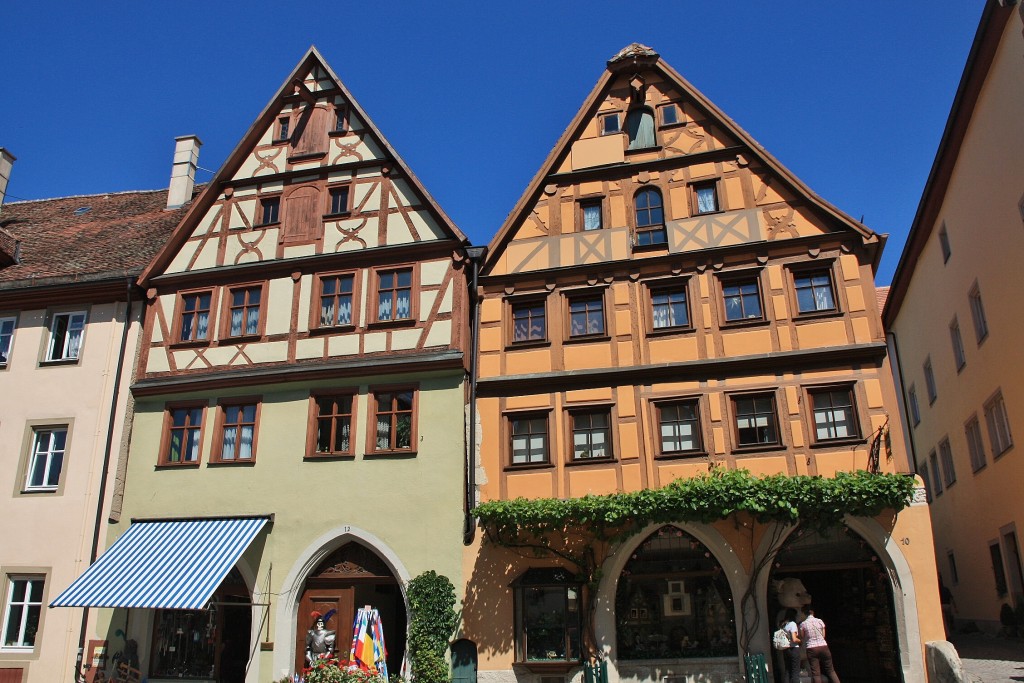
point(583, 531)
point(433, 621)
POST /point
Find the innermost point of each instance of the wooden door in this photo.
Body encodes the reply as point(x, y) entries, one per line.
point(323, 600)
point(11, 675)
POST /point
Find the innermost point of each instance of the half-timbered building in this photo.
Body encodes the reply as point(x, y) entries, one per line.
point(664, 299)
point(298, 434)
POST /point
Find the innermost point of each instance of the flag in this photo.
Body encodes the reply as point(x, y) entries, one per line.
point(368, 650)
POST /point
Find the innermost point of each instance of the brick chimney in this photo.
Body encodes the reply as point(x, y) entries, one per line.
point(183, 172)
point(6, 162)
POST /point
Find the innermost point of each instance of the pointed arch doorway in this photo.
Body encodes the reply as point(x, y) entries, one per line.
point(350, 577)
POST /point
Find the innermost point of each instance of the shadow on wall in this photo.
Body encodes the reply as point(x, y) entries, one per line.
point(488, 613)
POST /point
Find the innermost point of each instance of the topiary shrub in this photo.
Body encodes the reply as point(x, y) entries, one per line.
point(432, 622)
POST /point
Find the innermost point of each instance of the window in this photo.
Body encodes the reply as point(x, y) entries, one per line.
point(954, 575)
point(336, 292)
point(669, 114)
point(958, 345)
point(978, 314)
point(814, 293)
point(393, 417)
point(195, 316)
point(586, 316)
point(946, 455)
point(244, 311)
point(927, 482)
point(394, 295)
point(944, 243)
point(237, 441)
point(548, 620)
point(705, 196)
point(998, 424)
point(679, 427)
point(590, 215)
point(834, 414)
point(283, 128)
point(755, 420)
point(975, 446)
point(528, 321)
point(669, 308)
point(340, 122)
point(650, 217)
point(184, 435)
point(933, 460)
point(609, 124)
point(929, 381)
point(528, 435)
point(48, 446)
point(270, 210)
point(998, 571)
point(339, 199)
point(640, 128)
point(333, 425)
point(742, 300)
point(66, 331)
point(23, 609)
point(591, 434)
point(915, 408)
point(6, 337)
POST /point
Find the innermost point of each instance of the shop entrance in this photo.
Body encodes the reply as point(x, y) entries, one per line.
point(351, 577)
point(842, 577)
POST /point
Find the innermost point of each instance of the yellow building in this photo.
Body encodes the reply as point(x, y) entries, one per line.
point(666, 298)
point(953, 313)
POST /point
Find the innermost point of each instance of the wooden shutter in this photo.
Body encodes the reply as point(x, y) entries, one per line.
point(310, 136)
point(302, 212)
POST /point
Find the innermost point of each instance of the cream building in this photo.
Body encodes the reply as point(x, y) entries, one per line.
point(953, 314)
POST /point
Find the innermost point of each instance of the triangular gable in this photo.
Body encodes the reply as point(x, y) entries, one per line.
point(640, 59)
point(311, 68)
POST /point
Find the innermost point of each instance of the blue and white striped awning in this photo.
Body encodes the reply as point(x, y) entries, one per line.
point(170, 564)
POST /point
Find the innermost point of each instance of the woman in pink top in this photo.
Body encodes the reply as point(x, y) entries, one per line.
point(819, 658)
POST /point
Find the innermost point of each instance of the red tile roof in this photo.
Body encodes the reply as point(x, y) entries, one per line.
point(116, 237)
point(881, 294)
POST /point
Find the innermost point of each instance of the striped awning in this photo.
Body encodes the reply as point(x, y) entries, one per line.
point(170, 564)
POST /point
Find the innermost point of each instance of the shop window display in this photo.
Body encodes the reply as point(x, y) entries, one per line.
point(673, 601)
point(547, 616)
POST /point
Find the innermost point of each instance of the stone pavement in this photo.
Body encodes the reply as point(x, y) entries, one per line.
point(988, 659)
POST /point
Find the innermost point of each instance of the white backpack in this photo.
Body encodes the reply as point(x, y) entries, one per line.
point(780, 639)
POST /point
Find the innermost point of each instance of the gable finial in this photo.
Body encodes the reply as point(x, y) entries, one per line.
point(634, 55)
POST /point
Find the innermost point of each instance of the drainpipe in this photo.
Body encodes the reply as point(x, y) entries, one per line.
point(108, 447)
point(475, 256)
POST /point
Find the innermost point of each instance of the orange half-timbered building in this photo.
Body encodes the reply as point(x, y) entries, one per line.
point(666, 298)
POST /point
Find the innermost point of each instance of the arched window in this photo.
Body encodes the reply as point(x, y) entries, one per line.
point(650, 217)
point(673, 601)
point(640, 128)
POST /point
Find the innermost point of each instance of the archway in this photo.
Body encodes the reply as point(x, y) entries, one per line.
point(845, 579)
point(349, 578)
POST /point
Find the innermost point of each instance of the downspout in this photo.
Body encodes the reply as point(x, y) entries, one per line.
point(475, 256)
point(108, 447)
point(904, 402)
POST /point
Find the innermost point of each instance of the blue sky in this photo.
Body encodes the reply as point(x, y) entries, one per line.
point(851, 96)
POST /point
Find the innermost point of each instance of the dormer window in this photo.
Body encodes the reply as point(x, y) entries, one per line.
point(640, 128)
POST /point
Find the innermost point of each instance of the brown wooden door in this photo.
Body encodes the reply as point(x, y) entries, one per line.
point(323, 600)
point(11, 675)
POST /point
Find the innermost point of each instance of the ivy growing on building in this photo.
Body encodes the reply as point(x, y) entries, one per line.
point(432, 623)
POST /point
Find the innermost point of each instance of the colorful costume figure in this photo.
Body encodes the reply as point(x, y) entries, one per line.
point(319, 641)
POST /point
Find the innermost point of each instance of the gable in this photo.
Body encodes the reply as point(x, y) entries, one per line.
point(645, 128)
point(313, 176)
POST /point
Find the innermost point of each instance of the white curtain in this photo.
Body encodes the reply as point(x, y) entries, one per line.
point(236, 322)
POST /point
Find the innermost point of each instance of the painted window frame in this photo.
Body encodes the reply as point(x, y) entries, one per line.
point(373, 396)
point(264, 204)
point(740, 278)
point(914, 405)
point(933, 461)
point(948, 465)
point(678, 115)
point(929, 380)
point(651, 234)
point(602, 125)
point(167, 433)
point(283, 129)
point(51, 339)
point(978, 316)
point(341, 120)
point(521, 302)
point(221, 427)
point(590, 294)
point(34, 452)
point(572, 413)
point(316, 416)
point(808, 271)
point(336, 190)
point(228, 306)
point(696, 186)
point(180, 313)
point(536, 579)
point(316, 323)
point(776, 425)
point(855, 423)
point(658, 425)
point(975, 443)
point(510, 419)
point(10, 323)
point(582, 205)
point(957, 340)
point(668, 286)
point(11, 580)
point(997, 419)
point(373, 312)
point(944, 246)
